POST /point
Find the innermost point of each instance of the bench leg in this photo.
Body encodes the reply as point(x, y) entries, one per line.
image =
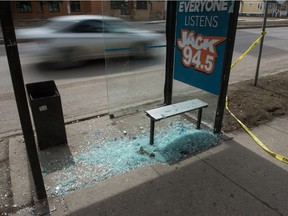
point(199, 119)
point(152, 125)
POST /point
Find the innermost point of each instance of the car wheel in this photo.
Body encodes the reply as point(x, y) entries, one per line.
point(140, 51)
point(68, 59)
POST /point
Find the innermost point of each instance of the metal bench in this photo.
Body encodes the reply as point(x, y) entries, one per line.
point(172, 110)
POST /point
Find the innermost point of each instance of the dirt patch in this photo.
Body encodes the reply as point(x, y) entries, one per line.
point(254, 105)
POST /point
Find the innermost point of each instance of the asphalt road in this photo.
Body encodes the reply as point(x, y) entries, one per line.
point(87, 90)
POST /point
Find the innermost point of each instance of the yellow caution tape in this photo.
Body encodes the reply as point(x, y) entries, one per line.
point(248, 50)
point(255, 138)
point(258, 141)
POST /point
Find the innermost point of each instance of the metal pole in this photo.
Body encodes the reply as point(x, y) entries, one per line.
point(226, 69)
point(152, 129)
point(261, 42)
point(170, 40)
point(199, 119)
point(21, 101)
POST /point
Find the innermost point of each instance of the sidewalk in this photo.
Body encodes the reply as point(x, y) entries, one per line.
point(235, 178)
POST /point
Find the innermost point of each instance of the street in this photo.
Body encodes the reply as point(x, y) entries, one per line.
point(274, 53)
point(97, 87)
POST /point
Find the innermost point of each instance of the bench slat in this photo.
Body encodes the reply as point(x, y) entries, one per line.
point(175, 109)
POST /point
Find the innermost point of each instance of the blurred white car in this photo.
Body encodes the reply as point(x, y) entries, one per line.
point(69, 39)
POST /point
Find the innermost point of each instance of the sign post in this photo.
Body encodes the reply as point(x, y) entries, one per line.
point(170, 30)
point(20, 96)
point(204, 40)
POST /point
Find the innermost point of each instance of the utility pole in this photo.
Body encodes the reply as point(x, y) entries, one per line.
point(261, 42)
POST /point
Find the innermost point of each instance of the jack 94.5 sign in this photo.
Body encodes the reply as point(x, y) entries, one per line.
point(201, 34)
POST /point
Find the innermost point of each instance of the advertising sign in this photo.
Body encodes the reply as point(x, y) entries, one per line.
point(201, 39)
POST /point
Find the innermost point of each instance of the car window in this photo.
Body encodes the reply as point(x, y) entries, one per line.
point(118, 26)
point(88, 26)
point(58, 25)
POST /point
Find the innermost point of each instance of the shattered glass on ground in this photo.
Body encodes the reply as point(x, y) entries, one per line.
point(105, 158)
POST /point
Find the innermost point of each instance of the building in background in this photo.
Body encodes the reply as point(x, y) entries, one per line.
point(256, 8)
point(284, 9)
point(129, 9)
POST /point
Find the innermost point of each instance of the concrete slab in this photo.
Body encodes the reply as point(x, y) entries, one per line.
point(83, 201)
point(272, 134)
point(20, 173)
point(274, 139)
point(194, 188)
point(5, 188)
point(4, 151)
point(280, 124)
point(255, 175)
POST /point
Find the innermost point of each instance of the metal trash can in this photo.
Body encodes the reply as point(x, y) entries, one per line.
point(45, 103)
